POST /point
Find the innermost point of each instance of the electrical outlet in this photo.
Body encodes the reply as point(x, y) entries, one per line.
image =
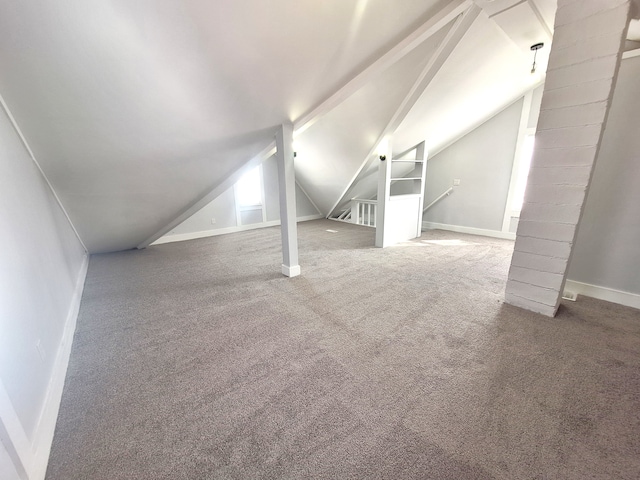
point(456, 182)
point(213, 221)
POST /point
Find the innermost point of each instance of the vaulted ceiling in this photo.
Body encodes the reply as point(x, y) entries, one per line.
point(136, 111)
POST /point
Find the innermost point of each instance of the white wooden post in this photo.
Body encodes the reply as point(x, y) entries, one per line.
point(384, 174)
point(421, 154)
point(287, 189)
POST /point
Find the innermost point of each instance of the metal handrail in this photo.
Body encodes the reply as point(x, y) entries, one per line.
point(445, 194)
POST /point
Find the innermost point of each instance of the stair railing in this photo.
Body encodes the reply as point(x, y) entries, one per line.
point(440, 197)
point(363, 211)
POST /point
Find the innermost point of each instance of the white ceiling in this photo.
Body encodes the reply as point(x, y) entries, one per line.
point(135, 110)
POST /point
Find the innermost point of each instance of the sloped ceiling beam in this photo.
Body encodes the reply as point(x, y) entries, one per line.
point(418, 36)
point(547, 28)
point(220, 188)
point(499, 108)
point(444, 50)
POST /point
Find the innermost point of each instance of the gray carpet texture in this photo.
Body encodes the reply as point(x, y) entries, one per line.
point(199, 360)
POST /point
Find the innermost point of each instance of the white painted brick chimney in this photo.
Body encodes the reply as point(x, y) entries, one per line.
point(583, 66)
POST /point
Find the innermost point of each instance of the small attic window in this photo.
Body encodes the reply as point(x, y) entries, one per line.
point(249, 194)
point(249, 189)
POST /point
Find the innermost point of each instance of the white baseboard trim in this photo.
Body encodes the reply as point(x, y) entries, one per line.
point(43, 438)
point(30, 458)
point(181, 237)
point(470, 230)
point(627, 299)
point(292, 271)
point(631, 53)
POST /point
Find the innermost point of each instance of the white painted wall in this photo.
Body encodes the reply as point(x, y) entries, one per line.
point(42, 269)
point(7, 469)
point(607, 250)
point(223, 209)
point(482, 160)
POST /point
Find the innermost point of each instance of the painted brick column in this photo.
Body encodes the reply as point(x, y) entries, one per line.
point(583, 66)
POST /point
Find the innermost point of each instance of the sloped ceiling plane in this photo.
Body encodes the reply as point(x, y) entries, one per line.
point(137, 112)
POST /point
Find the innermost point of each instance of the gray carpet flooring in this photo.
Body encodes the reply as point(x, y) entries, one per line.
point(199, 360)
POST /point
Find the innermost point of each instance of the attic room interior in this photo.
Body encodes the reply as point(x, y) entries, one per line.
point(193, 199)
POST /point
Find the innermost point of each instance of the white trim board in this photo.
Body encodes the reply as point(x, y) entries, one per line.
point(31, 457)
point(181, 237)
point(46, 427)
point(470, 230)
point(631, 54)
point(627, 299)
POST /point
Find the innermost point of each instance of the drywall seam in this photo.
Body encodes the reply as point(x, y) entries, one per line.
point(28, 148)
point(470, 230)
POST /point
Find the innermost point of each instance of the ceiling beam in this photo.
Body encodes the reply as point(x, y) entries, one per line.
point(547, 28)
point(499, 109)
point(442, 53)
point(406, 45)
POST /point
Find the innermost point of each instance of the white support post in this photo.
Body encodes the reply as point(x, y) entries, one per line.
point(287, 188)
point(421, 155)
point(384, 187)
